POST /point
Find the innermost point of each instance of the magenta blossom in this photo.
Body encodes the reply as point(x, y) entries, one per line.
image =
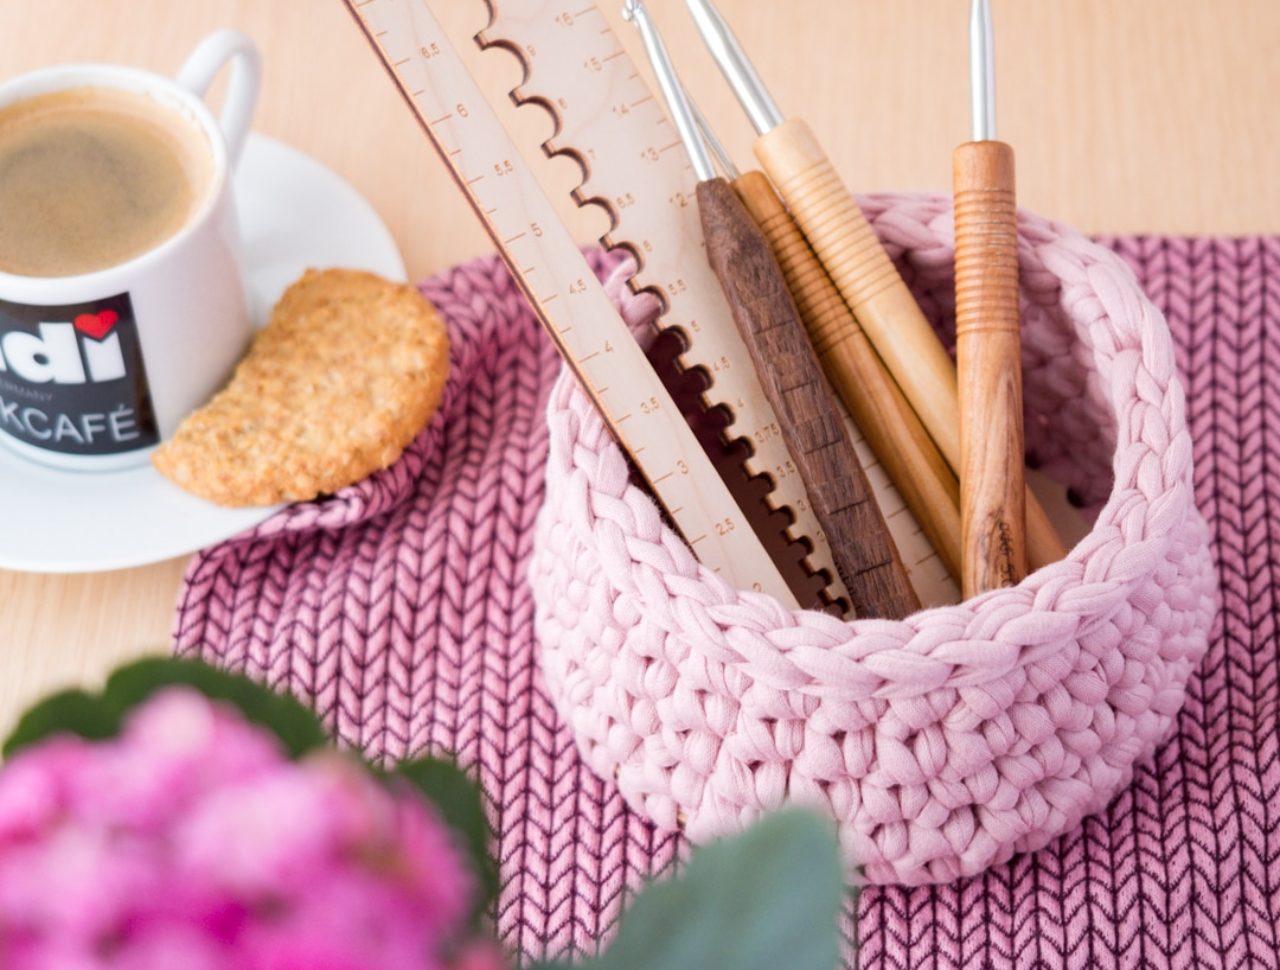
point(192, 841)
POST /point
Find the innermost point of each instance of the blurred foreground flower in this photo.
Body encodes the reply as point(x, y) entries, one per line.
point(191, 840)
point(190, 819)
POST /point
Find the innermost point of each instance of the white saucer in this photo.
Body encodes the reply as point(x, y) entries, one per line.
point(294, 213)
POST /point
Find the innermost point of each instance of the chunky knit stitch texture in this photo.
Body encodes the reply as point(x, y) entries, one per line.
point(944, 743)
point(400, 610)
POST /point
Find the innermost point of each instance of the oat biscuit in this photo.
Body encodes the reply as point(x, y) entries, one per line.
point(347, 371)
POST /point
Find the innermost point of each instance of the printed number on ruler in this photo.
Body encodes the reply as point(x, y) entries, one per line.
point(571, 303)
point(611, 121)
point(636, 167)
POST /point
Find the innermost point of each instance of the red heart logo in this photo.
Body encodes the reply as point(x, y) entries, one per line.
point(97, 325)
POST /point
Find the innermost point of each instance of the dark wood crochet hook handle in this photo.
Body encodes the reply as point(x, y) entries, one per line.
point(766, 314)
point(858, 375)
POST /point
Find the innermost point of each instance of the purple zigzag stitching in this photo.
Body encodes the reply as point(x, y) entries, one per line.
point(399, 609)
point(1181, 870)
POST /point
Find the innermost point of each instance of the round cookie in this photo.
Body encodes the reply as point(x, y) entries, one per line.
point(347, 371)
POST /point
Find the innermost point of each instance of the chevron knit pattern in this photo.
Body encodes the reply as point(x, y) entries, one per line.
point(399, 608)
point(945, 743)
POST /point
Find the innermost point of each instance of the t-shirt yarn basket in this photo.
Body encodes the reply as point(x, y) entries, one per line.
point(944, 743)
point(400, 609)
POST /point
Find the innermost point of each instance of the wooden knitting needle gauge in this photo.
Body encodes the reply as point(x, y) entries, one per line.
point(634, 166)
point(571, 304)
point(608, 118)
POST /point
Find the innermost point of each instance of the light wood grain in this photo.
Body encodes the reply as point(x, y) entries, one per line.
point(993, 517)
point(844, 241)
point(848, 247)
point(767, 317)
point(632, 166)
point(1141, 116)
point(858, 376)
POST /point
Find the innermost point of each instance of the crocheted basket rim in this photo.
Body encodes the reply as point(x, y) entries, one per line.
point(945, 741)
point(953, 625)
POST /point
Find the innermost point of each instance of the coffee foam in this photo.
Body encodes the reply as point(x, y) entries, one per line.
point(91, 177)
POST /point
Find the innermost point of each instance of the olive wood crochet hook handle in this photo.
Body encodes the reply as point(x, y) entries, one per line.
point(989, 368)
point(766, 314)
point(848, 247)
point(857, 374)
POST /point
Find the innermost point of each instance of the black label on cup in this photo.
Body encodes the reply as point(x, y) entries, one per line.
point(72, 380)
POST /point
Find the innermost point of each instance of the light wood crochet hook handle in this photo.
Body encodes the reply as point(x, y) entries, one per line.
point(766, 314)
point(989, 368)
point(890, 426)
point(872, 287)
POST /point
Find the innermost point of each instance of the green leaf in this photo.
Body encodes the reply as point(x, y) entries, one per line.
point(90, 716)
point(765, 899)
point(296, 725)
point(71, 711)
point(458, 800)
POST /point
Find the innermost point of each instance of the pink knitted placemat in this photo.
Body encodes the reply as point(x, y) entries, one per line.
point(400, 610)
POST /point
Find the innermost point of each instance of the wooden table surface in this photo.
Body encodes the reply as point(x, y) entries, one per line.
point(1136, 116)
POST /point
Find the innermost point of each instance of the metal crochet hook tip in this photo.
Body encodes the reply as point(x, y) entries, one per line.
point(682, 112)
point(982, 71)
point(736, 66)
point(723, 158)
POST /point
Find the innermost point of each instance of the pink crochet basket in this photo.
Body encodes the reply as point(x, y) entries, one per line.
point(944, 743)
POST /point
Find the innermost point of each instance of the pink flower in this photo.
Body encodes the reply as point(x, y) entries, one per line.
point(170, 947)
point(481, 955)
point(37, 787)
point(79, 880)
point(191, 841)
point(347, 920)
point(174, 750)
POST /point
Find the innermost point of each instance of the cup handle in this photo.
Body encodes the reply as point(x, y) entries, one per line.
point(203, 65)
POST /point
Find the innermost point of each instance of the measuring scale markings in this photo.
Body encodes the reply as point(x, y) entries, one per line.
point(577, 70)
point(606, 116)
point(555, 276)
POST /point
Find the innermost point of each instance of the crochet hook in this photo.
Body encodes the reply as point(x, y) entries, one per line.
point(894, 433)
point(847, 246)
point(766, 314)
point(573, 307)
point(988, 343)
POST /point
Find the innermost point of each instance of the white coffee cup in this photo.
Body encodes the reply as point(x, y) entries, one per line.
point(121, 355)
